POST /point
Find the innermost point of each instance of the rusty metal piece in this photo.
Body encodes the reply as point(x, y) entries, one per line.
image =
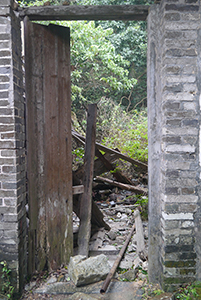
point(116, 263)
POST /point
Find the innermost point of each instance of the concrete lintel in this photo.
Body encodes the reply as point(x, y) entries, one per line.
point(87, 12)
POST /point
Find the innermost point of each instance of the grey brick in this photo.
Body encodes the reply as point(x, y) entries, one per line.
point(192, 123)
point(10, 201)
point(10, 217)
point(3, 95)
point(172, 17)
point(5, 53)
point(8, 153)
point(181, 8)
point(5, 3)
point(5, 61)
point(6, 120)
point(4, 79)
point(7, 210)
point(4, 86)
point(5, 70)
point(9, 169)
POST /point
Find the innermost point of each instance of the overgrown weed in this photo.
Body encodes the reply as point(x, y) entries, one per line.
point(126, 131)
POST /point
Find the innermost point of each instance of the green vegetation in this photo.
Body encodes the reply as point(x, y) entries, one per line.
point(7, 288)
point(189, 292)
point(108, 62)
point(125, 131)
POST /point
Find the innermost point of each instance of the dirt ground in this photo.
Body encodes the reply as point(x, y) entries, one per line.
point(118, 211)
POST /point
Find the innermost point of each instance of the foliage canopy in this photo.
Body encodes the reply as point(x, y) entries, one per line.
point(108, 62)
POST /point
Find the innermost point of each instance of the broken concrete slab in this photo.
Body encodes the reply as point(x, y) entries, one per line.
point(117, 290)
point(83, 271)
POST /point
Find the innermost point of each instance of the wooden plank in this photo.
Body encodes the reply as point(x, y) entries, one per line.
point(86, 199)
point(118, 154)
point(87, 12)
point(139, 232)
point(58, 174)
point(79, 189)
point(49, 144)
point(35, 145)
point(136, 189)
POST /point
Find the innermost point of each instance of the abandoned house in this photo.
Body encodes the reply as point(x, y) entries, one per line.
point(35, 138)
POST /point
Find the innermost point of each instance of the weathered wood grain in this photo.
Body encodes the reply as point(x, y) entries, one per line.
point(87, 12)
point(136, 189)
point(79, 189)
point(86, 199)
point(49, 159)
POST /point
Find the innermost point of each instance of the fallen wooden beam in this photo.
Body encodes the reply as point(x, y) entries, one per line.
point(84, 233)
point(118, 154)
point(136, 189)
point(117, 175)
point(87, 12)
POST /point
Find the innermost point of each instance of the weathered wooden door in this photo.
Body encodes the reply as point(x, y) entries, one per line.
point(49, 160)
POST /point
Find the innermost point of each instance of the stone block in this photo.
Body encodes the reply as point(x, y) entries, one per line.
point(177, 216)
point(175, 231)
point(181, 8)
point(84, 270)
point(180, 148)
point(6, 2)
point(180, 264)
point(188, 207)
point(170, 224)
point(180, 131)
point(4, 11)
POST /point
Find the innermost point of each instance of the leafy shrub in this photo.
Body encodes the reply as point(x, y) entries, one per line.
point(125, 131)
point(189, 292)
point(7, 288)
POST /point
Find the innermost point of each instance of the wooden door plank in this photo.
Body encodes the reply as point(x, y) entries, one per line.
point(35, 146)
point(49, 144)
point(58, 147)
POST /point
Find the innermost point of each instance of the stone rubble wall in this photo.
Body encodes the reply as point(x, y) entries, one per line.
point(174, 138)
point(13, 227)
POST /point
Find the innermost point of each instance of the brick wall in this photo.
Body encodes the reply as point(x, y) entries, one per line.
point(174, 151)
point(174, 80)
point(13, 247)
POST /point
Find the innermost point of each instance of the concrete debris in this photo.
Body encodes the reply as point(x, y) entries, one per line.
point(52, 279)
point(82, 296)
point(129, 275)
point(83, 271)
point(112, 235)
